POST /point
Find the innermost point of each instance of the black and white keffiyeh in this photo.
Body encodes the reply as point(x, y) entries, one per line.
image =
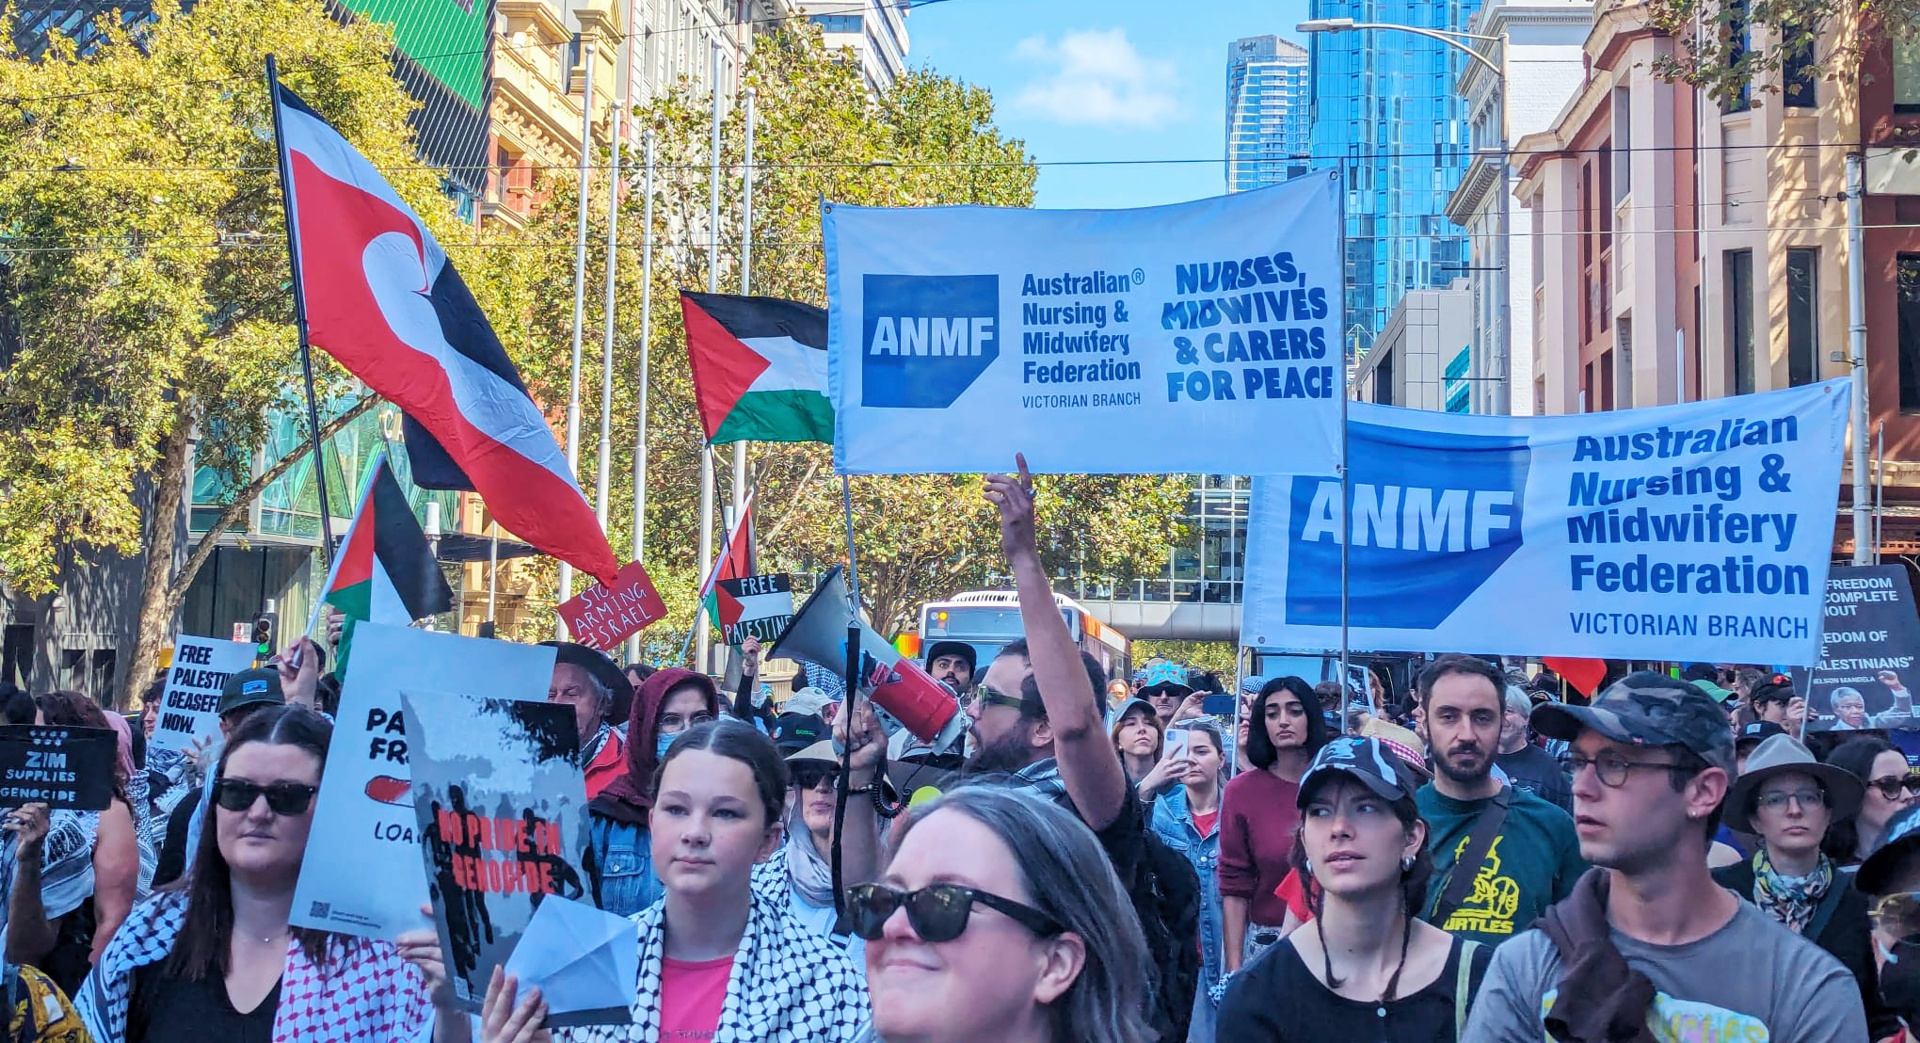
point(789, 985)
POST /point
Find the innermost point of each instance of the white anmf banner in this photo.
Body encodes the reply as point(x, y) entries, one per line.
point(1198, 337)
point(1693, 532)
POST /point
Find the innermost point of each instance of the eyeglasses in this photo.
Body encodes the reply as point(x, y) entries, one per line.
point(937, 913)
point(283, 798)
point(1891, 785)
point(1896, 915)
point(984, 694)
point(811, 775)
point(1614, 769)
point(1806, 798)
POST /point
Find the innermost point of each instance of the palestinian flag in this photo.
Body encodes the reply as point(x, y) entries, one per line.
point(377, 293)
point(384, 571)
point(736, 562)
point(759, 368)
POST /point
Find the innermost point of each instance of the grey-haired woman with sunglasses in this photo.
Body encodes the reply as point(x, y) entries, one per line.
point(1000, 918)
point(212, 957)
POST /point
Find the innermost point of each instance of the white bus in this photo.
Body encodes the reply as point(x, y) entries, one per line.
point(990, 619)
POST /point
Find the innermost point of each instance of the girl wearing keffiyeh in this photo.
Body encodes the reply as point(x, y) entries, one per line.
point(719, 959)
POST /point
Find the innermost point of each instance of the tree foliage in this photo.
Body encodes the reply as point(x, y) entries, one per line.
point(818, 135)
point(1731, 46)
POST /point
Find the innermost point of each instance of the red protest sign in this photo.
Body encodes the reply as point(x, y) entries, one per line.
point(603, 616)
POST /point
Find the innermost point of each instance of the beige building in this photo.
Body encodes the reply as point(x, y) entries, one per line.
point(1424, 353)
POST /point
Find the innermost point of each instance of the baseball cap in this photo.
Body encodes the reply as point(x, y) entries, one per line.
point(796, 731)
point(808, 701)
point(1756, 733)
point(1167, 677)
point(1720, 695)
point(1776, 688)
point(1900, 838)
point(1647, 709)
point(1370, 761)
point(248, 687)
point(1135, 703)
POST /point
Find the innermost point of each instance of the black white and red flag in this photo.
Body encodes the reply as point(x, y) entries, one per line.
point(381, 297)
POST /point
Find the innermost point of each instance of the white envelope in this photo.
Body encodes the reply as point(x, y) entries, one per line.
point(585, 962)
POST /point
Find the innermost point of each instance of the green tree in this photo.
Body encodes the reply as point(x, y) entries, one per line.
point(928, 140)
point(143, 275)
point(1728, 47)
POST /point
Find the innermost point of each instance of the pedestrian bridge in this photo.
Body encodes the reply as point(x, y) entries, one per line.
point(1169, 620)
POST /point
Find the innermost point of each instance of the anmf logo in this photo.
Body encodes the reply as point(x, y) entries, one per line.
point(924, 339)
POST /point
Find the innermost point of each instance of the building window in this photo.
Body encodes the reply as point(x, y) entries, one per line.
point(1606, 379)
point(1906, 74)
point(1383, 380)
point(1623, 336)
point(1739, 296)
point(1798, 78)
point(1909, 326)
point(1803, 317)
point(1739, 42)
point(1622, 137)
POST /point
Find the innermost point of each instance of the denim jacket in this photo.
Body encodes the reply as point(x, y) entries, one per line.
point(1174, 826)
point(623, 875)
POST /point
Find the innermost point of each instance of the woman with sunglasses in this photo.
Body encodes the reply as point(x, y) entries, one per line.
point(1367, 967)
point(1000, 918)
point(1890, 788)
point(804, 864)
point(720, 959)
point(1788, 799)
point(213, 957)
point(621, 865)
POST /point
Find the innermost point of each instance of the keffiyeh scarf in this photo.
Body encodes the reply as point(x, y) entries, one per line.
point(788, 985)
point(1791, 899)
point(364, 993)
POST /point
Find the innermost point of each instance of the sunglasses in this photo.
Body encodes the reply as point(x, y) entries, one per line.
point(283, 798)
point(983, 694)
point(1891, 785)
point(937, 913)
point(810, 776)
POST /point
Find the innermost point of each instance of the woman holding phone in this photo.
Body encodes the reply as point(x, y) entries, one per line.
point(1187, 820)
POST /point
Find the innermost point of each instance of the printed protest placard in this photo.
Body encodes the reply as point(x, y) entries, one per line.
point(189, 709)
point(502, 811)
point(602, 616)
point(1692, 532)
point(363, 821)
point(754, 606)
point(56, 766)
point(1867, 652)
point(960, 335)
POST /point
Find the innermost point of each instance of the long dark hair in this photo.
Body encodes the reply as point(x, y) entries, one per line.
point(1857, 756)
point(1260, 749)
point(736, 740)
point(1413, 879)
point(75, 710)
point(206, 932)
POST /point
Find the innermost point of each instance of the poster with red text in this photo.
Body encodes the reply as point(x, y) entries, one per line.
point(502, 811)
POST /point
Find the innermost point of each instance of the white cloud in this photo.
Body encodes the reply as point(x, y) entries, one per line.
point(1096, 77)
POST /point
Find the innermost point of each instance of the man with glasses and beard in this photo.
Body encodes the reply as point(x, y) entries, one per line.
point(1501, 855)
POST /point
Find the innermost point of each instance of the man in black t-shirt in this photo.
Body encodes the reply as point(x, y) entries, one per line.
point(1528, 766)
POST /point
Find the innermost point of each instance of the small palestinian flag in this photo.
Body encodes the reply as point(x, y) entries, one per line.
point(759, 368)
point(384, 571)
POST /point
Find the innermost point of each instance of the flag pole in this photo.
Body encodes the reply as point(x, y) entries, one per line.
point(579, 318)
point(300, 318)
point(600, 475)
point(646, 347)
point(705, 542)
point(746, 281)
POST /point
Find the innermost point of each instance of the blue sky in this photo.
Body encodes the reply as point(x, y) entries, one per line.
point(1122, 79)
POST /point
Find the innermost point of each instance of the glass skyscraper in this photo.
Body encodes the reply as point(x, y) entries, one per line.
point(1385, 112)
point(1267, 103)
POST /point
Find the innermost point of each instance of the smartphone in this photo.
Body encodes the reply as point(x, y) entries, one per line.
point(1220, 705)
point(1176, 744)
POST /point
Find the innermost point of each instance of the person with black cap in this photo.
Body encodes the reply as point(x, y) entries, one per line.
point(601, 696)
point(1790, 799)
point(1370, 968)
point(953, 663)
point(1643, 948)
point(1774, 700)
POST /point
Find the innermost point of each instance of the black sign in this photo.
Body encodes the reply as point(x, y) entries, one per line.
point(1868, 651)
point(59, 767)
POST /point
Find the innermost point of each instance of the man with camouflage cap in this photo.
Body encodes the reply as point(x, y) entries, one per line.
point(1648, 947)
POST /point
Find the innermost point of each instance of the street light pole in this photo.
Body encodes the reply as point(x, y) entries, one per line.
point(1503, 344)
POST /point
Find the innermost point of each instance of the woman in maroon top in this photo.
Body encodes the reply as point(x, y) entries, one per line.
point(1258, 815)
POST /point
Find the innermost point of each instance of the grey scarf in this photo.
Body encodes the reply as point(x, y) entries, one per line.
point(810, 874)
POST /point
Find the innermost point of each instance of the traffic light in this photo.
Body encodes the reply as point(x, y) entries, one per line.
point(263, 627)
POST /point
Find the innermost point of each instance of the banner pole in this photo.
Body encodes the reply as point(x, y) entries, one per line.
point(739, 483)
point(579, 318)
point(601, 478)
point(300, 317)
point(1346, 490)
point(646, 347)
point(705, 542)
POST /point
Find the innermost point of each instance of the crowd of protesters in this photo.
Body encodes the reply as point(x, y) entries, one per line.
point(1468, 854)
